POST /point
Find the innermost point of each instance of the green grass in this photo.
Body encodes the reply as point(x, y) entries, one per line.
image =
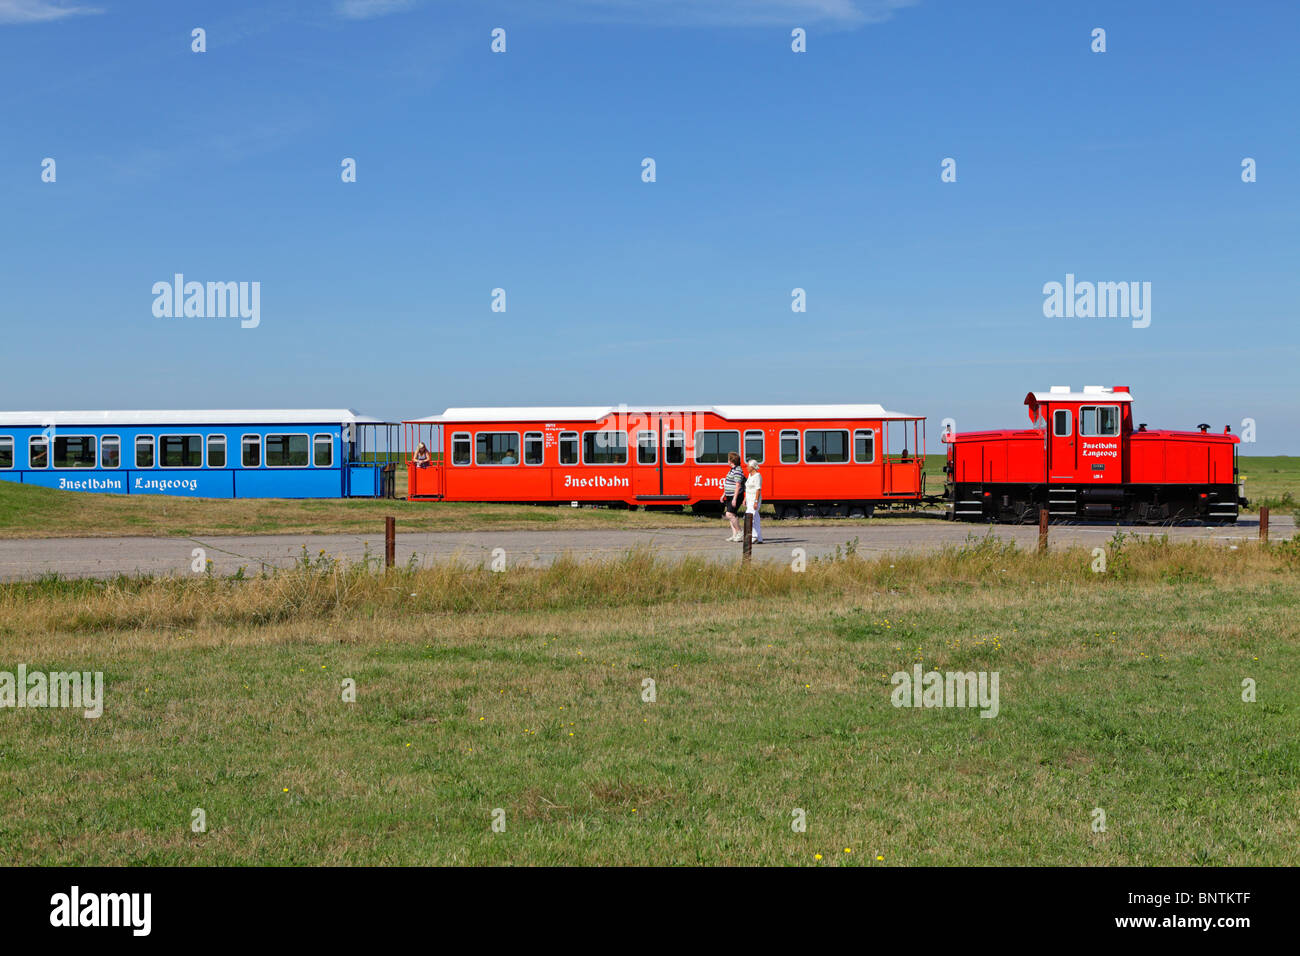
point(522, 691)
point(1271, 481)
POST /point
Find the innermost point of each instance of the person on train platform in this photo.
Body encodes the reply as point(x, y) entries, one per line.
point(733, 490)
point(754, 499)
point(422, 457)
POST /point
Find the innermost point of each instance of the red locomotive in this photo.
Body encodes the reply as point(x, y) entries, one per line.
point(1083, 458)
point(832, 460)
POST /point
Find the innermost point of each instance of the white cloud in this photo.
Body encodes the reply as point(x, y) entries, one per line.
point(739, 12)
point(367, 9)
point(39, 11)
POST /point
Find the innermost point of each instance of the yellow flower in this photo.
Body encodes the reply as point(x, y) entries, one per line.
point(817, 856)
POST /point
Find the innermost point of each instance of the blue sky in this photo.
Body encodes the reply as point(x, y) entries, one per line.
point(775, 170)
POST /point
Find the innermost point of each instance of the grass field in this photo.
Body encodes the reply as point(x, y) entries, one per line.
point(31, 512)
point(523, 691)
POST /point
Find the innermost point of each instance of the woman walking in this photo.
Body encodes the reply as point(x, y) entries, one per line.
point(733, 490)
point(754, 499)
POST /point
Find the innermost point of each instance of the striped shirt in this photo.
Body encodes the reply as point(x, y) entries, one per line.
point(735, 478)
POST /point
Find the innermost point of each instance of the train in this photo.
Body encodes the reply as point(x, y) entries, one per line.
point(1081, 458)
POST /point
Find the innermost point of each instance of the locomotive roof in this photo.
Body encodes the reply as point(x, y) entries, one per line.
point(244, 416)
point(1090, 393)
point(595, 413)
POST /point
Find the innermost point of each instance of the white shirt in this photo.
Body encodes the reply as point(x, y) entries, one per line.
point(753, 485)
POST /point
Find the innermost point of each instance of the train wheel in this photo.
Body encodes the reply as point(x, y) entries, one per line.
point(857, 512)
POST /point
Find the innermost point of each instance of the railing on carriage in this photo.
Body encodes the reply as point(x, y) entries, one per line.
point(424, 476)
point(373, 455)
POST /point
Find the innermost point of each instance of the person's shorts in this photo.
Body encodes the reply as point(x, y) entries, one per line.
point(732, 508)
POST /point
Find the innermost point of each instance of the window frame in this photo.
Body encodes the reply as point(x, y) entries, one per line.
point(798, 446)
point(576, 438)
point(158, 451)
point(152, 441)
point(605, 464)
point(1097, 409)
point(540, 438)
point(848, 451)
point(104, 441)
point(680, 435)
point(745, 456)
point(641, 434)
point(871, 433)
point(468, 439)
point(715, 431)
point(209, 441)
point(498, 464)
point(94, 455)
point(13, 452)
point(322, 438)
point(266, 454)
point(1069, 423)
point(256, 443)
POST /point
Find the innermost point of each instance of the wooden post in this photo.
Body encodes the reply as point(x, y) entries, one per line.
point(1042, 530)
point(390, 541)
point(1263, 525)
point(747, 545)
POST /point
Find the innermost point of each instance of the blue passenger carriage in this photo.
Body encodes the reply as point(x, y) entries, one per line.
point(278, 453)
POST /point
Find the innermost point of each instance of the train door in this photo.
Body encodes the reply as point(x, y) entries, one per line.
point(660, 441)
point(1062, 453)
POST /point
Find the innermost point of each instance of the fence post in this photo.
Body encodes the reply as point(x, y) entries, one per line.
point(390, 541)
point(747, 546)
point(1042, 530)
point(1263, 524)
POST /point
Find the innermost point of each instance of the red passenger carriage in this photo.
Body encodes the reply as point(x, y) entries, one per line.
point(816, 459)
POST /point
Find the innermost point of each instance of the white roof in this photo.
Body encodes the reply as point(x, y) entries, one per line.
point(238, 416)
point(594, 413)
point(1090, 393)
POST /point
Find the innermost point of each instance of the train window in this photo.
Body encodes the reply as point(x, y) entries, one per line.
point(789, 448)
point(711, 448)
point(674, 448)
point(74, 451)
point(864, 446)
point(322, 451)
point(144, 451)
point(1099, 421)
point(496, 448)
point(286, 451)
point(568, 448)
point(647, 448)
point(216, 451)
point(533, 448)
point(1061, 423)
point(180, 451)
point(6, 451)
point(38, 452)
point(754, 446)
point(826, 446)
point(460, 448)
point(110, 452)
point(604, 447)
point(251, 451)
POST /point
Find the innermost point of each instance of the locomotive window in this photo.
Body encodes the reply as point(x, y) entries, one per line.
point(460, 448)
point(568, 448)
point(532, 448)
point(496, 448)
point(647, 448)
point(864, 446)
point(7, 451)
point(674, 448)
point(605, 447)
point(251, 451)
point(1099, 421)
point(1061, 423)
point(180, 451)
point(754, 446)
point(286, 451)
point(144, 451)
point(75, 451)
point(711, 448)
point(322, 451)
point(830, 446)
point(110, 452)
point(216, 451)
point(790, 448)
